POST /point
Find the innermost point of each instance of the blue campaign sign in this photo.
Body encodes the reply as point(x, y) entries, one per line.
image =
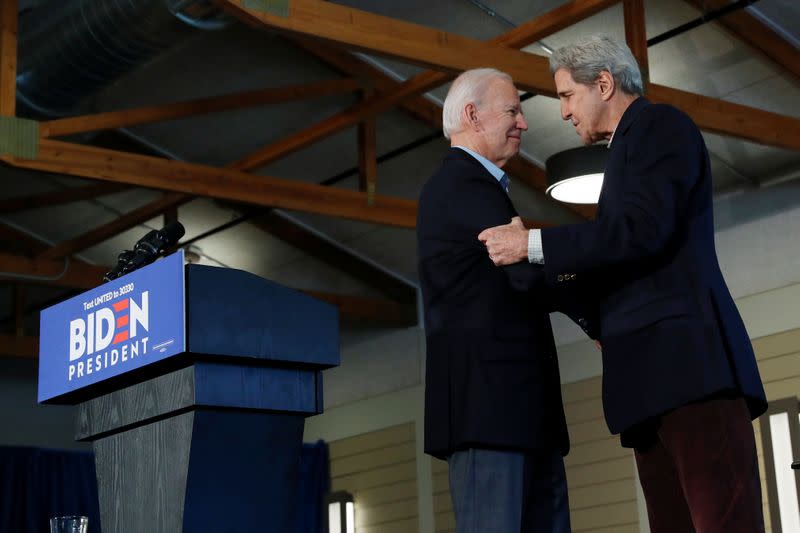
point(122, 325)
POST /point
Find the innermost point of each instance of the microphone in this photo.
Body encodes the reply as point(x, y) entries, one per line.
point(155, 242)
point(146, 250)
point(122, 259)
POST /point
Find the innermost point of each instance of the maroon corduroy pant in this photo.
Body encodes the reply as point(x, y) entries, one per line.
point(701, 475)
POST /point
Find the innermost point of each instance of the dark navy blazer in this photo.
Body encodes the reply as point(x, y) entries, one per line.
point(492, 376)
point(670, 330)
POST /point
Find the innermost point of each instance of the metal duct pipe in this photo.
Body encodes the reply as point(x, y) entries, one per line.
point(71, 49)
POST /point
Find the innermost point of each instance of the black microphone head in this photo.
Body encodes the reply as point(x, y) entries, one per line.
point(148, 243)
point(149, 247)
point(123, 259)
point(171, 233)
point(114, 273)
point(125, 256)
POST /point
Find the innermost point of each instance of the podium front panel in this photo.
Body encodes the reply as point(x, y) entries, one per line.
point(120, 326)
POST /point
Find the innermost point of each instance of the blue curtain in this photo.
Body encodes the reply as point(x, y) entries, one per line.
point(36, 484)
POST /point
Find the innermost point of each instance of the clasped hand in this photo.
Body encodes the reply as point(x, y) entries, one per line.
point(506, 244)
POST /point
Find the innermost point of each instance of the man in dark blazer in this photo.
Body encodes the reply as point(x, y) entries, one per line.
point(680, 381)
point(493, 405)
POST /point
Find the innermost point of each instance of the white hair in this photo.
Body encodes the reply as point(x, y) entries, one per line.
point(468, 88)
point(588, 57)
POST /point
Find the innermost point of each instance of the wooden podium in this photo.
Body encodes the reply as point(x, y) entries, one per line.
point(200, 436)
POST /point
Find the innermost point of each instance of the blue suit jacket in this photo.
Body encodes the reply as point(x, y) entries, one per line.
point(670, 330)
point(492, 376)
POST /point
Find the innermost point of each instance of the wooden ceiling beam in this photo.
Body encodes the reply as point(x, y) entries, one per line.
point(636, 35)
point(749, 29)
point(367, 157)
point(321, 248)
point(9, 22)
point(418, 106)
point(220, 183)
point(429, 112)
point(727, 118)
point(61, 273)
point(125, 222)
point(523, 35)
point(60, 197)
point(345, 119)
point(420, 44)
point(398, 39)
point(350, 27)
point(551, 22)
point(228, 102)
point(453, 53)
point(225, 184)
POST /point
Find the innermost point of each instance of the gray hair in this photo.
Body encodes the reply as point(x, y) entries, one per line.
point(589, 56)
point(468, 87)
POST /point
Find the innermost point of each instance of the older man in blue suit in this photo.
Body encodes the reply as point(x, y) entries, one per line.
point(492, 389)
point(680, 381)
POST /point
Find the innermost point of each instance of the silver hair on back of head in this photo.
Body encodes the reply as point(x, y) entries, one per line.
point(588, 57)
point(468, 87)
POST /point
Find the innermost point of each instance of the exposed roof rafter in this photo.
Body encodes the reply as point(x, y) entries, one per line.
point(356, 28)
point(428, 112)
point(58, 272)
point(9, 22)
point(143, 115)
point(452, 53)
point(636, 34)
point(226, 184)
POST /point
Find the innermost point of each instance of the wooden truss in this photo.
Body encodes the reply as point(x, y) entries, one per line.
point(315, 25)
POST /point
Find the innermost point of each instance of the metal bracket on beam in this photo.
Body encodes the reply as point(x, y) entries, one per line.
point(19, 137)
point(371, 190)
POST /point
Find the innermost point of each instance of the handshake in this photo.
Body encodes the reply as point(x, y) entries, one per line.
point(506, 244)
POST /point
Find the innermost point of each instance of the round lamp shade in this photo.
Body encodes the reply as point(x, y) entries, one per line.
point(576, 175)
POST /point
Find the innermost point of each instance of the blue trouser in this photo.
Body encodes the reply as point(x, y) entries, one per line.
point(508, 492)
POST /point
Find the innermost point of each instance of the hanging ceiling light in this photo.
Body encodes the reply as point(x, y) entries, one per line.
point(576, 175)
